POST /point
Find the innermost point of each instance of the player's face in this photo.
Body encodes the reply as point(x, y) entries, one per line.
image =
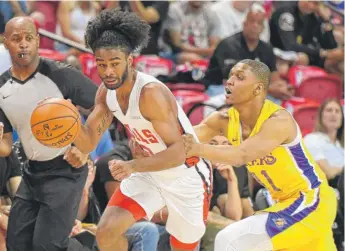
point(113, 66)
point(332, 116)
point(22, 42)
point(242, 85)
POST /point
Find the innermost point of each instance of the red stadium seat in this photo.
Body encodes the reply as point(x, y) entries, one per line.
point(320, 88)
point(197, 111)
point(293, 102)
point(202, 64)
point(305, 116)
point(53, 55)
point(187, 99)
point(153, 65)
point(298, 73)
point(186, 86)
point(89, 68)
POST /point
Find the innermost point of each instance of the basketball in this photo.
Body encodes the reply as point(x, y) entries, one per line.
point(55, 122)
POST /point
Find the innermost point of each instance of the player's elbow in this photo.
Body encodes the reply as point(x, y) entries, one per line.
point(5, 151)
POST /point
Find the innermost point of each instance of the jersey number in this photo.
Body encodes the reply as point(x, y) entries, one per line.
point(269, 180)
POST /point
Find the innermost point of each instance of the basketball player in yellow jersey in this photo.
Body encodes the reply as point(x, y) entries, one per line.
point(266, 138)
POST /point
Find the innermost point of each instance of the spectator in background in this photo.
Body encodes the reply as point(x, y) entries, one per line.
point(231, 15)
point(306, 28)
point(72, 20)
point(243, 45)
point(193, 29)
point(49, 10)
point(13, 8)
point(153, 12)
point(230, 201)
point(326, 143)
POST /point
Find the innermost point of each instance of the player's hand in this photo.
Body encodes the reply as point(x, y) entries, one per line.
point(77, 228)
point(190, 145)
point(227, 172)
point(1, 130)
point(136, 150)
point(75, 157)
point(121, 170)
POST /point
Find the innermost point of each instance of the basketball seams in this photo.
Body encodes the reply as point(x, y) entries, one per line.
point(71, 130)
point(67, 130)
point(43, 121)
point(51, 103)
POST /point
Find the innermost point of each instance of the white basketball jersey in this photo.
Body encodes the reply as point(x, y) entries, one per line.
point(142, 130)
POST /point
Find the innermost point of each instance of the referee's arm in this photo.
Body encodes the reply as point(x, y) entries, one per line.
point(5, 135)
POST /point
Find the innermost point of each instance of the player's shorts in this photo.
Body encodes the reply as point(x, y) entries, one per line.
point(186, 197)
point(300, 224)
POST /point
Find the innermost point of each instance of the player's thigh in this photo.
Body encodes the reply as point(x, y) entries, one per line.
point(247, 234)
point(140, 195)
point(187, 200)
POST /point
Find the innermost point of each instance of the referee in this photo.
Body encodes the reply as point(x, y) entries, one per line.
point(46, 204)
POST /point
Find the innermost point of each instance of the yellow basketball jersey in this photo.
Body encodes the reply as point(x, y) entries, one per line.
point(288, 169)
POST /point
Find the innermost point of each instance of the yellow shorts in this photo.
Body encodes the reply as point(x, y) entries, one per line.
point(304, 223)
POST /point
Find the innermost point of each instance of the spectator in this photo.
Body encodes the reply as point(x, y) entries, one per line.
point(245, 44)
point(231, 15)
point(230, 198)
point(10, 9)
point(306, 28)
point(153, 12)
point(72, 21)
point(326, 143)
point(193, 30)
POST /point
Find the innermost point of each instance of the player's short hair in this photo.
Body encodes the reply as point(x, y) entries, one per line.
point(114, 28)
point(260, 70)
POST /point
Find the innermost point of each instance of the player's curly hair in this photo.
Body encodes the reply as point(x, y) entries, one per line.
point(114, 28)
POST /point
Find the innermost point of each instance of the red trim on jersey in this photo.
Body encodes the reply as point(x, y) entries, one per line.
point(182, 246)
point(118, 199)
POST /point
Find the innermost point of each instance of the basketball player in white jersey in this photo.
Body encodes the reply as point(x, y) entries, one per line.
point(152, 116)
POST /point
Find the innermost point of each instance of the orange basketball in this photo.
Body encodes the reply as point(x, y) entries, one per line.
point(55, 122)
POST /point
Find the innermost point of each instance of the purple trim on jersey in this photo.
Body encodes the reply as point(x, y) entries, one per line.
point(279, 221)
point(304, 164)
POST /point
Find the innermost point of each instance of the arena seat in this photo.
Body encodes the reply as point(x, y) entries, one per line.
point(89, 67)
point(186, 86)
point(53, 55)
point(296, 101)
point(153, 65)
point(320, 88)
point(305, 116)
point(187, 99)
point(197, 111)
point(298, 73)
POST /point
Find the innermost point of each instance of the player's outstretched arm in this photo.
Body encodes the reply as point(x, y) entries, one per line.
point(277, 130)
point(97, 122)
point(211, 126)
point(158, 105)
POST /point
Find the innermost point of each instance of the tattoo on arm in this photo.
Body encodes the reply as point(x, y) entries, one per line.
point(102, 124)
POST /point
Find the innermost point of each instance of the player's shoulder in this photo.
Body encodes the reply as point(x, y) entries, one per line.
point(54, 69)
point(4, 78)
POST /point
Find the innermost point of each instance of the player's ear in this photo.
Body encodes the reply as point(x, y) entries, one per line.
point(5, 43)
point(130, 60)
point(258, 89)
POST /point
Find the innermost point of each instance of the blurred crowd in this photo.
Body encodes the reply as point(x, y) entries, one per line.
point(193, 46)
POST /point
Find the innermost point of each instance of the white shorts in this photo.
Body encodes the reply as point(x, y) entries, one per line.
point(186, 197)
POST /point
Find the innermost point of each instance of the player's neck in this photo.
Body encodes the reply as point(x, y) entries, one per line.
point(125, 90)
point(22, 73)
point(249, 112)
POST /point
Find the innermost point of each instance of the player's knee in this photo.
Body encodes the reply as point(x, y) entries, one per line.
point(181, 245)
point(223, 238)
point(107, 232)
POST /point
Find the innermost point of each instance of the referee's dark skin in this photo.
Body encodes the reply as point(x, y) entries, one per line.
point(22, 41)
